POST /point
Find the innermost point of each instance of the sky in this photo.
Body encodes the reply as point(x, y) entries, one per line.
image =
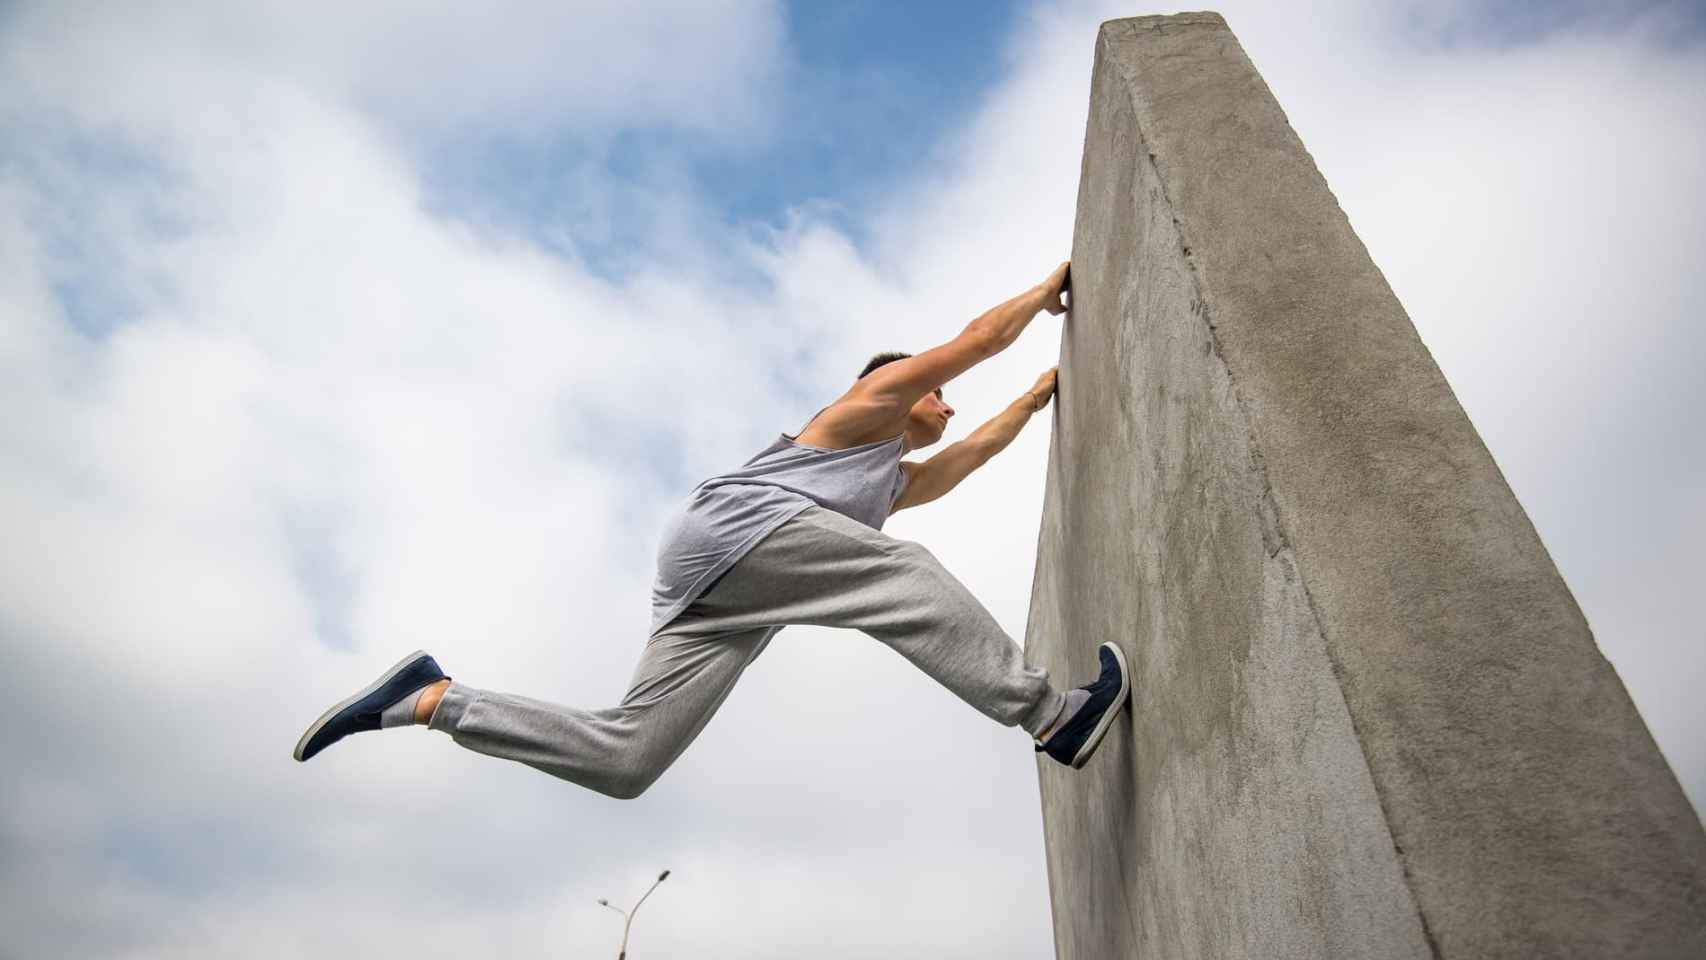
point(328, 332)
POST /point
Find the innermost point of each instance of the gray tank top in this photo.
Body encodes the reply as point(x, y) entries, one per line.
point(728, 514)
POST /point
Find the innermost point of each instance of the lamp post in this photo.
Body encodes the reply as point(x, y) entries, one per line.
point(628, 915)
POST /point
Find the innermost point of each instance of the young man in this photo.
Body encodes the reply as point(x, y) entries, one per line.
point(791, 536)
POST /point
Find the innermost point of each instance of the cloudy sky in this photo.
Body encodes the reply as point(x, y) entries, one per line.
point(330, 333)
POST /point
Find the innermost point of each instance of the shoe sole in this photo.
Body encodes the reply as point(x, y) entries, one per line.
point(1107, 721)
point(341, 705)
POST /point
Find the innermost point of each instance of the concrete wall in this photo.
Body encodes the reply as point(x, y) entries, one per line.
point(1368, 718)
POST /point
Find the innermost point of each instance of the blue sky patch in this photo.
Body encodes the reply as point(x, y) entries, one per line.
point(868, 90)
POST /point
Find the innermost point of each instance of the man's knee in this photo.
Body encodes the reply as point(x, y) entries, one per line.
point(628, 786)
point(635, 780)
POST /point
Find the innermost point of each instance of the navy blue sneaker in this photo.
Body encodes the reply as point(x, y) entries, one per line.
point(1077, 738)
point(360, 711)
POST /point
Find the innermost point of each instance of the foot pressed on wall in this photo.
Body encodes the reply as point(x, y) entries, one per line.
point(1080, 730)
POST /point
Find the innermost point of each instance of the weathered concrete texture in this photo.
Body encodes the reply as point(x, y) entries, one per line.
point(1369, 719)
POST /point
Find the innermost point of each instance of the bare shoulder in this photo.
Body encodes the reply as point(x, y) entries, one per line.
point(848, 422)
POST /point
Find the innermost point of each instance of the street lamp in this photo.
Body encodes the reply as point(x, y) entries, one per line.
point(628, 915)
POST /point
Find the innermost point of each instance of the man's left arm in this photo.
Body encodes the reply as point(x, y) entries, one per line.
point(944, 471)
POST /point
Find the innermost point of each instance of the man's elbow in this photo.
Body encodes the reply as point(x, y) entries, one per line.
point(959, 461)
point(973, 452)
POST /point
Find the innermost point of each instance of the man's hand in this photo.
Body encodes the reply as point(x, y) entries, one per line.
point(1043, 389)
point(1052, 289)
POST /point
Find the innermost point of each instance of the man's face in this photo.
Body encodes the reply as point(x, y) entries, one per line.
point(929, 418)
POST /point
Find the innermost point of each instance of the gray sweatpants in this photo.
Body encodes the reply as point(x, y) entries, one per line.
point(819, 567)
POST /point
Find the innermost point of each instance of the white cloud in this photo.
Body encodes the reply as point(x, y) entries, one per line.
point(275, 423)
point(424, 68)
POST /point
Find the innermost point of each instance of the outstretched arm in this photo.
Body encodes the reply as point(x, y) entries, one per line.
point(884, 396)
point(943, 472)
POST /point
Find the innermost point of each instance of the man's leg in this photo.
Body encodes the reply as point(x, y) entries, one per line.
point(823, 568)
point(818, 568)
point(684, 674)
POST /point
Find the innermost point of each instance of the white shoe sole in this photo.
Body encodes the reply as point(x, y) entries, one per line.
point(336, 708)
point(1089, 745)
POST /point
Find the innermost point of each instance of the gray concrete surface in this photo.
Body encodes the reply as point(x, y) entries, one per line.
point(1368, 718)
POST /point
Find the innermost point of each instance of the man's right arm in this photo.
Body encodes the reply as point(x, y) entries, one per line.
point(888, 392)
point(1003, 324)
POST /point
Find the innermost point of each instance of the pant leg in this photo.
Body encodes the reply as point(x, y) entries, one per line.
point(683, 676)
point(819, 568)
point(824, 568)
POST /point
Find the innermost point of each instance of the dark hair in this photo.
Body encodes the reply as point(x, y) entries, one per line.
point(889, 357)
point(881, 359)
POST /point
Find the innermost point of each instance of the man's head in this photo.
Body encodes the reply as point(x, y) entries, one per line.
point(928, 418)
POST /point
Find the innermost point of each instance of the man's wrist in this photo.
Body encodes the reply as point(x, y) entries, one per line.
point(1039, 297)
